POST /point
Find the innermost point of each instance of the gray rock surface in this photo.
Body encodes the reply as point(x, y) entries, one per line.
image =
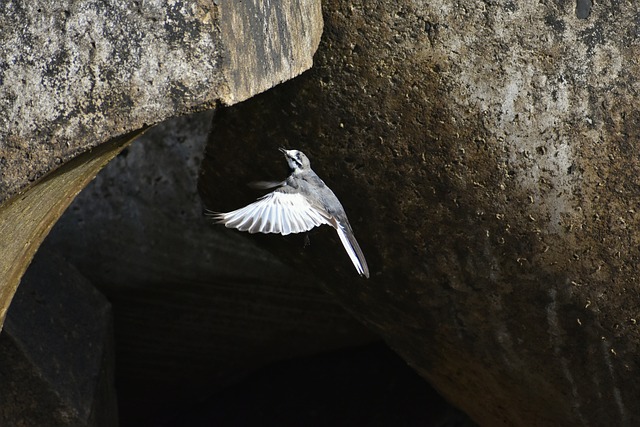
point(76, 74)
point(56, 351)
point(26, 220)
point(486, 155)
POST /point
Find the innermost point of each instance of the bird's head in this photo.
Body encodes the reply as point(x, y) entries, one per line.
point(296, 159)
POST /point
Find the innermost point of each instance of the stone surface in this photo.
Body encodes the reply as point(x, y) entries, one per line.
point(485, 153)
point(26, 220)
point(266, 43)
point(76, 74)
point(56, 351)
point(195, 305)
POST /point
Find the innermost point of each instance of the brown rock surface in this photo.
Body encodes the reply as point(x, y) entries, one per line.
point(486, 155)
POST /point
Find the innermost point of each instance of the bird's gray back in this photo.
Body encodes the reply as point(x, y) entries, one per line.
point(310, 185)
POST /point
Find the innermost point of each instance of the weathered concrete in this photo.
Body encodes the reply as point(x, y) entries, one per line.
point(74, 75)
point(486, 155)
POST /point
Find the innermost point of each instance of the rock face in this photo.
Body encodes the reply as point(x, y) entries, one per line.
point(26, 220)
point(195, 305)
point(75, 74)
point(56, 351)
point(485, 153)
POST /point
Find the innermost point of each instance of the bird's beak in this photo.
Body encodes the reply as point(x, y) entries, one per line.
point(283, 151)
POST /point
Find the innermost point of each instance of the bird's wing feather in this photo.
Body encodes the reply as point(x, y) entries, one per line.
point(265, 185)
point(277, 212)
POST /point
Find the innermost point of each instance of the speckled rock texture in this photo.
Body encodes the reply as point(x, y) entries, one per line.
point(76, 74)
point(487, 156)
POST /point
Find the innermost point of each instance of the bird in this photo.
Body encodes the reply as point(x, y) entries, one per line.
point(298, 204)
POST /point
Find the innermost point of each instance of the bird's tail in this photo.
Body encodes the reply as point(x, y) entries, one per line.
point(353, 249)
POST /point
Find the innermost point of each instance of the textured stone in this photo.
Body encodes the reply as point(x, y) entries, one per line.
point(76, 74)
point(485, 153)
point(56, 351)
point(26, 220)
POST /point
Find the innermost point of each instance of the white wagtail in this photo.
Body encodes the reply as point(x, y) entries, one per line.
point(298, 204)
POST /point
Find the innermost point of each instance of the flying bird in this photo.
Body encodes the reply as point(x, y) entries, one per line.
point(299, 203)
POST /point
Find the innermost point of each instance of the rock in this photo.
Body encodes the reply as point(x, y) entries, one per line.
point(26, 220)
point(196, 306)
point(485, 155)
point(56, 351)
point(74, 75)
point(77, 74)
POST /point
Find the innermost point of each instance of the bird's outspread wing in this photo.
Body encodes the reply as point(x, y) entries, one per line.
point(277, 212)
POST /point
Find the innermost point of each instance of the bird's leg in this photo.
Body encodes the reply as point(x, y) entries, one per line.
point(307, 241)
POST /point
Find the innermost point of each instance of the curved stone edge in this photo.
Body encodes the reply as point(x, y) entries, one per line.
point(26, 219)
point(259, 44)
